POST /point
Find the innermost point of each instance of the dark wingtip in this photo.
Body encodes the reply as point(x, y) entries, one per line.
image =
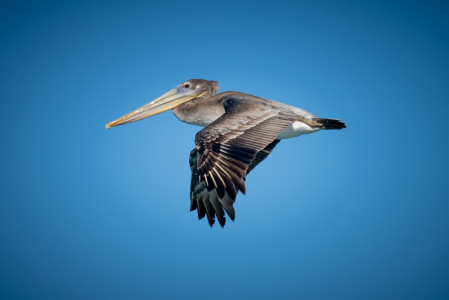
point(201, 214)
point(243, 191)
point(193, 204)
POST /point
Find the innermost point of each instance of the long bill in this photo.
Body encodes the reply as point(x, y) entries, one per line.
point(165, 102)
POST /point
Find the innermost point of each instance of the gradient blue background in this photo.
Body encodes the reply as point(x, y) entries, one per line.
point(360, 213)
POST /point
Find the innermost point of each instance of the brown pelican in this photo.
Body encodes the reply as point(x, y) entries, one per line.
point(240, 131)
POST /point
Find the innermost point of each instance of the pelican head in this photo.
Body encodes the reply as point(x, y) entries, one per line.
point(186, 91)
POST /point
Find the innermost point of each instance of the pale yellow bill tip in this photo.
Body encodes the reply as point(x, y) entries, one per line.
point(112, 124)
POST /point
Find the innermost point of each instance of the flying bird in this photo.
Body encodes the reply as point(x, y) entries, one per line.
point(240, 131)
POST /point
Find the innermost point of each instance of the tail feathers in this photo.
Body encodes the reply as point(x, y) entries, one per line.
point(330, 123)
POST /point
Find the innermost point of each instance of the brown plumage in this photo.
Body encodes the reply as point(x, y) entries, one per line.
point(240, 131)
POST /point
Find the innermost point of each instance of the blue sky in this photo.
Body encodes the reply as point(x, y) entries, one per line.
point(360, 213)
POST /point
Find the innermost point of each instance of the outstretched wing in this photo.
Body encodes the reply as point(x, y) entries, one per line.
point(203, 200)
point(228, 149)
point(199, 195)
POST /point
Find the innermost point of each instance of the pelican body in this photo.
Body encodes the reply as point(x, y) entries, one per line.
point(240, 131)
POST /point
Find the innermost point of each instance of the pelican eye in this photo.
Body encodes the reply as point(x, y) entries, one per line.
point(187, 85)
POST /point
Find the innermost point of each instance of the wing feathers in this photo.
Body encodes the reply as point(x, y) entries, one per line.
point(261, 155)
point(218, 209)
point(210, 212)
point(227, 205)
point(201, 208)
point(227, 150)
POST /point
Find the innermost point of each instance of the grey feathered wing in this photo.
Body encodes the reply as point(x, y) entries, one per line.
point(228, 149)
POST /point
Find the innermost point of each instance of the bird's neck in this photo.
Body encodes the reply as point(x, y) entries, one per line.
point(200, 111)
